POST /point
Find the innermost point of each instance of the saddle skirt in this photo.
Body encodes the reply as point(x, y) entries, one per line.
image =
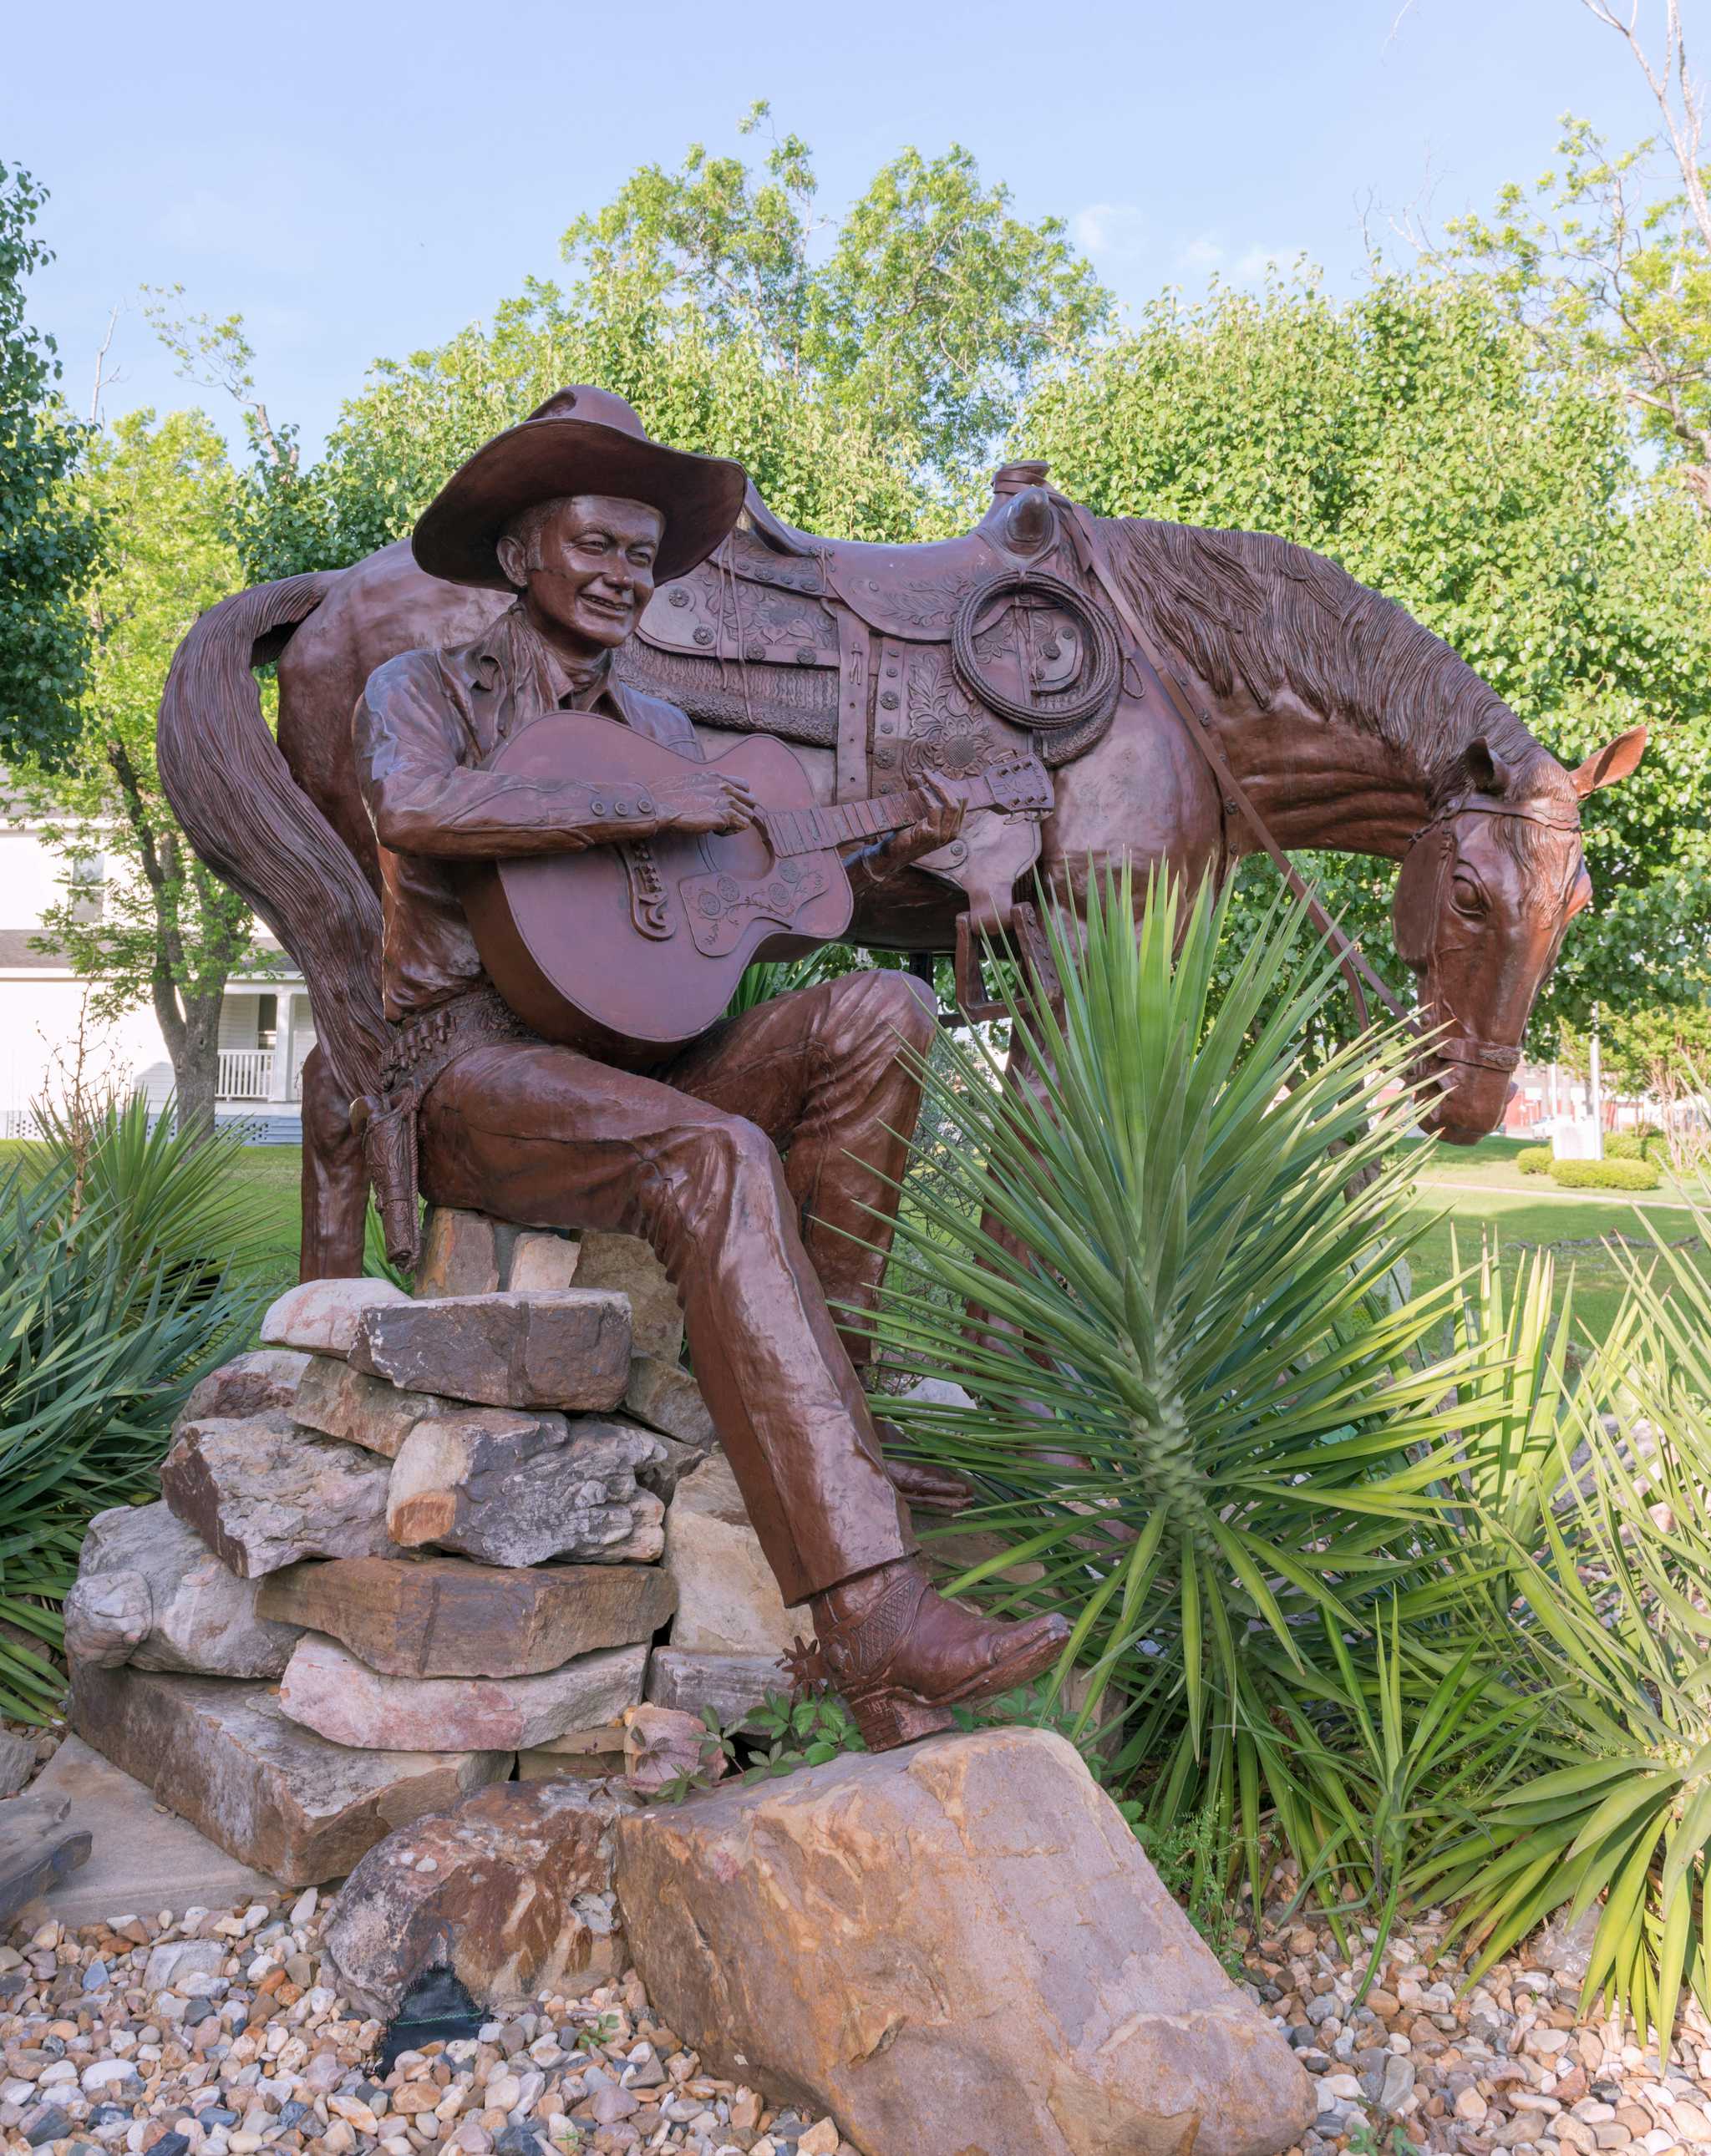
point(890, 657)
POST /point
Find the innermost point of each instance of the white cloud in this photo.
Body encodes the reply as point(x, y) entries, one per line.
point(1203, 253)
point(1116, 229)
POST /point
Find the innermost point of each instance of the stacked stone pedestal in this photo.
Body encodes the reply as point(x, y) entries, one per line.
point(416, 1545)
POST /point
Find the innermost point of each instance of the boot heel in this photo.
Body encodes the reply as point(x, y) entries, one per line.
point(887, 1719)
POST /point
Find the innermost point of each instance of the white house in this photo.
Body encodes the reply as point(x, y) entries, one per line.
point(266, 1028)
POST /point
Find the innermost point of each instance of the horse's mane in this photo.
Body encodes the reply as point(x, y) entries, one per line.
point(1247, 610)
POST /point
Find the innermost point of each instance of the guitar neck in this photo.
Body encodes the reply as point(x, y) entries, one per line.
point(816, 830)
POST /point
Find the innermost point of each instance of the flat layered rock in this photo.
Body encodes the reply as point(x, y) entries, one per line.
point(446, 1617)
point(462, 1253)
point(548, 1763)
point(516, 1489)
point(512, 1891)
point(541, 1264)
point(320, 1316)
point(662, 1745)
point(263, 1494)
point(339, 1402)
point(733, 1685)
point(273, 1794)
point(727, 1600)
point(148, 1592)
point(997, 1970)
point(41, 1845)
point(248, 1385)
point(327, 1690)
point(570, 1350)
point(667, 1397)
point(628, 1263)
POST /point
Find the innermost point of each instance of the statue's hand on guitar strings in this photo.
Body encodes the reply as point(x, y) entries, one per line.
point(699, 801)
point(943, 822)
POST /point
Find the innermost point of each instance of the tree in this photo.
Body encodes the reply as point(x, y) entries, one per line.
point(860, 383)
point(48, 537)
point(1410, 435)
point(156, 923)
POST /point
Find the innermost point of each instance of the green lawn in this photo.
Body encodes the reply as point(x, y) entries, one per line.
point(1475, 1189)
point(1478, 1190)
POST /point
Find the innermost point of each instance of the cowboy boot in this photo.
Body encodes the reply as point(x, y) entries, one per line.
point(902, 1656)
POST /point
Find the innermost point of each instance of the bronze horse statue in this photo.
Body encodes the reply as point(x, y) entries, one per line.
point(1327, 718)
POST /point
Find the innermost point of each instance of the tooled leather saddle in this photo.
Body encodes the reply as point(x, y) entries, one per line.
point(948, 658)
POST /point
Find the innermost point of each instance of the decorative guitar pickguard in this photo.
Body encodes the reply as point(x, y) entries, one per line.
point(719, 908)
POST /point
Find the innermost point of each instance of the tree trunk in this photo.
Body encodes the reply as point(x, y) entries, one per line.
point(195, 1050)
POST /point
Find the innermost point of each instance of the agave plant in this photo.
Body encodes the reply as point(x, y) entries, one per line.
point(111, 1308)
point(1198, 1428)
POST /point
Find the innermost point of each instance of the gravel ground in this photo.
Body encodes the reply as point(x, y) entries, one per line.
point(1510, 2064)
point(213, 2033)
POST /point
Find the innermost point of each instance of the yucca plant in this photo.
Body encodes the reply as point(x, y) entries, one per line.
point(1611, 1560)
point(118, 1291)
point(1198, 1428)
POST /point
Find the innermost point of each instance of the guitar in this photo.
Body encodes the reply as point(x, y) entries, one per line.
point(631, 950)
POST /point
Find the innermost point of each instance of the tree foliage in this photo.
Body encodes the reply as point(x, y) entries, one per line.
point(861, 381)
point(157, 926)
point(1408, 434)
point(49, 539)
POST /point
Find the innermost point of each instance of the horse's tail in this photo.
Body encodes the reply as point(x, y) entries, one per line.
point(253, 824)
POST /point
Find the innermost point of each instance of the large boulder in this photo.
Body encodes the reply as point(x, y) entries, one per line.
point(262, 1494)
point(729, 1602)
point(516, 1488)
point(570, 1350)
point(327, 1690)
point(512, 1891)
point(271, 1794)
point(445, 1617)
point(148, 1592)
point(996, 1969)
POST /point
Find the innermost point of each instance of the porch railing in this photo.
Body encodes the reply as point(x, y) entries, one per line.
point(246, 1073)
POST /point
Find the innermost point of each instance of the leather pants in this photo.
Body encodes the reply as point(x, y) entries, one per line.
point(689, 1158)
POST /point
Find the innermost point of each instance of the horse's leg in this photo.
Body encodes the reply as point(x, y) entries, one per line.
point(335, 1187)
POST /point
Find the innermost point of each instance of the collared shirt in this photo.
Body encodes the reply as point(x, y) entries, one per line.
point(423, 725)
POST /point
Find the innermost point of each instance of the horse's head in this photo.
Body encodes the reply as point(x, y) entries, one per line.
point(1487, 888)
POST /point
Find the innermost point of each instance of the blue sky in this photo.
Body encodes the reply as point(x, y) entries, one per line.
point(359, 181)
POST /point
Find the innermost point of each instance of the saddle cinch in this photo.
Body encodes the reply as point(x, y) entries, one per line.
point(941, 658)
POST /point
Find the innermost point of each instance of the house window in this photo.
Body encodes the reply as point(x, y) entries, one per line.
point(267, 1021)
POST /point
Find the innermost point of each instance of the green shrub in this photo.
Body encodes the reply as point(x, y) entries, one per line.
point(1535, 1160)
point(1617, 1174)
point(110, 1310)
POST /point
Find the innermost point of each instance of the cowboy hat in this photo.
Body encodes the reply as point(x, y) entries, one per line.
point(580, 441)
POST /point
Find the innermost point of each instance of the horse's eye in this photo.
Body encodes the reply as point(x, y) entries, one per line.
point(1468, 896)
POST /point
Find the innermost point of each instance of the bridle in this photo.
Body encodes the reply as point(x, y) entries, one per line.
point(1467, 1048)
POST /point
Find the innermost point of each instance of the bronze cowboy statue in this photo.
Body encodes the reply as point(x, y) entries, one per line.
point(552, 685)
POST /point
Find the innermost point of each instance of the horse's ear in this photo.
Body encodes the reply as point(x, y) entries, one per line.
point(1485, 771)
point(1606, 765)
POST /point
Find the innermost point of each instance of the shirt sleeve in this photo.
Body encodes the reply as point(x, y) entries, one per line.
point(422, 801)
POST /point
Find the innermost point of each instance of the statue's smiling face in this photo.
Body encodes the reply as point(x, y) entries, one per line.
point(586, 564)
